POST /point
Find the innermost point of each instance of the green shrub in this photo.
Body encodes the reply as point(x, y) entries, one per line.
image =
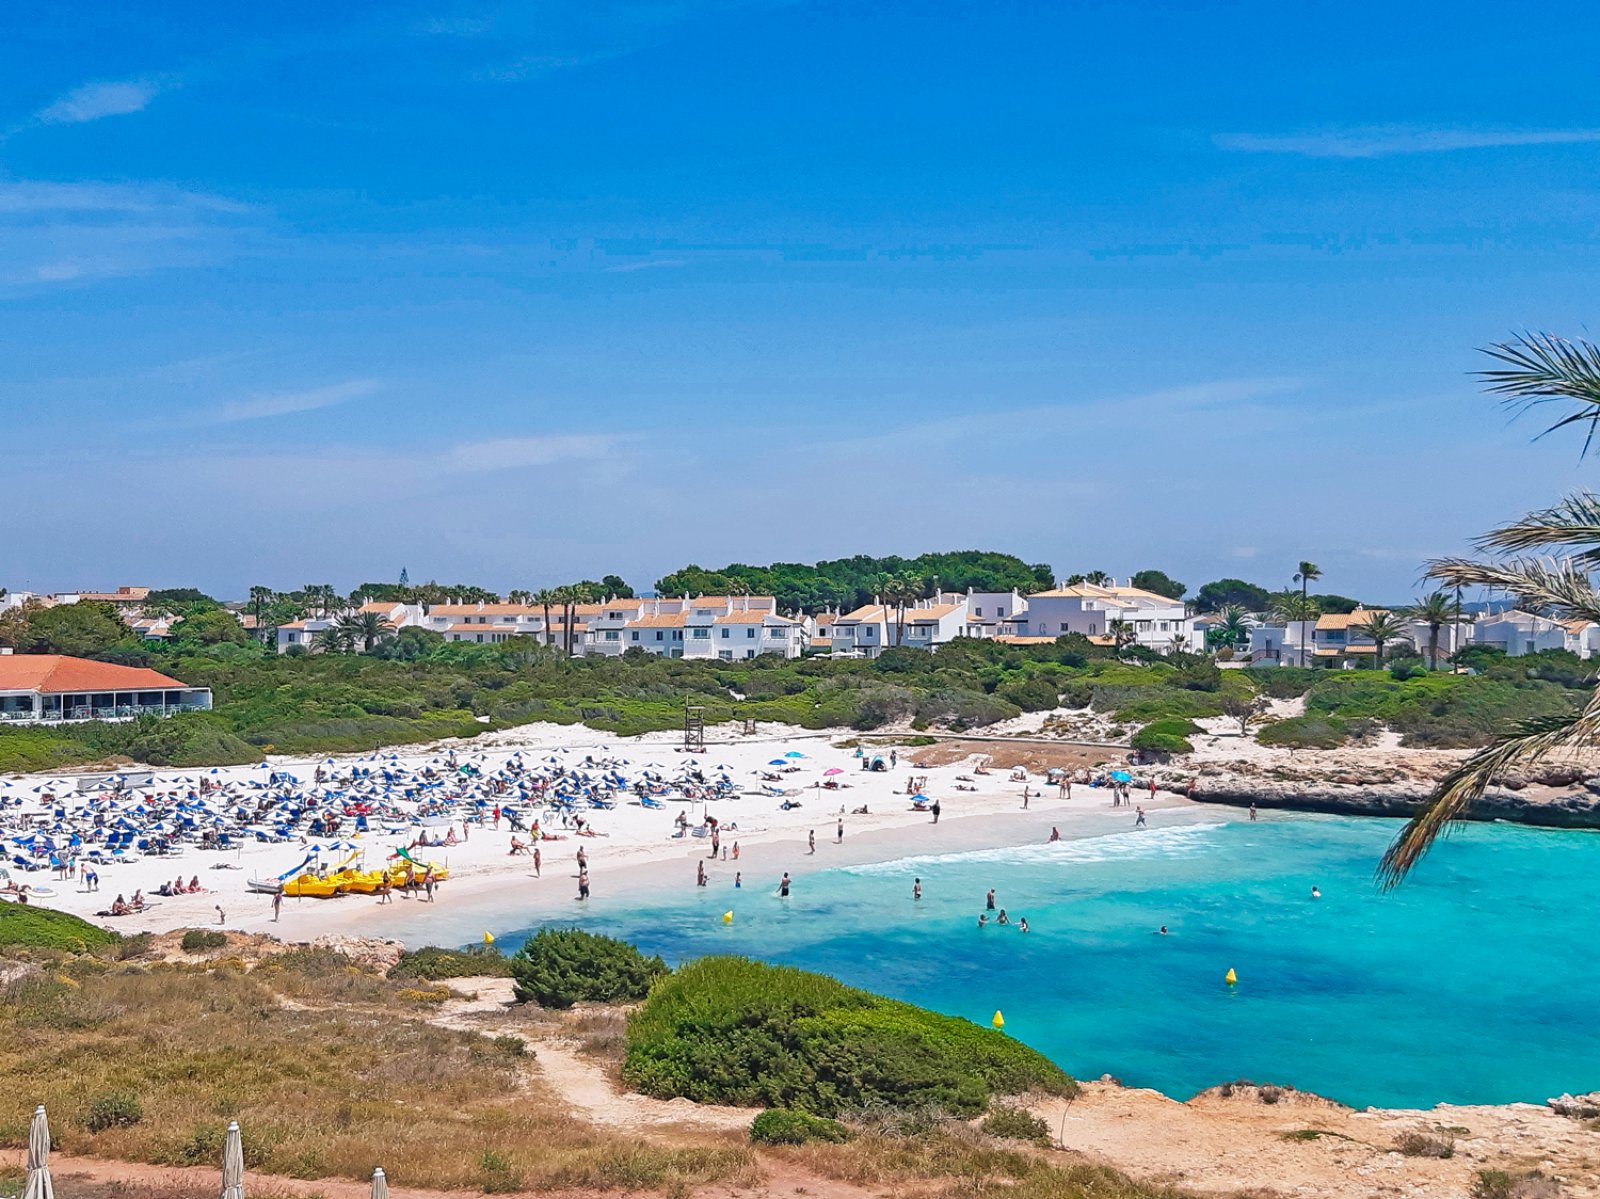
point(33, 927)
point(556, 968)
point(1305, 732)
point(1169, 736)
point(1500, 1184)
point(731, 1030)
point(202, 940)
point(1012, 1123)
point(114, 1109)
point(781, 1126)
point(431, 963)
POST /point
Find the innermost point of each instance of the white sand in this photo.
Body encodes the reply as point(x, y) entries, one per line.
point(490, 890)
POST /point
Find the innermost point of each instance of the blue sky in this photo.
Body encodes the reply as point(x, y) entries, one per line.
point(519, 293)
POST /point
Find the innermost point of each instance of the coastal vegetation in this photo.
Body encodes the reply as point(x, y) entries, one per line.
point(732, 1030)
point(557, 968)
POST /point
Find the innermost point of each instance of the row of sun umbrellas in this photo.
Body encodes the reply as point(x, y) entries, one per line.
point(39, 1185)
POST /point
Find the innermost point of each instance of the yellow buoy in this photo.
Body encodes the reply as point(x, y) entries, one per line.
point(999, 1021)
point(727, 917)
point(1230, 977)
point(488, 938)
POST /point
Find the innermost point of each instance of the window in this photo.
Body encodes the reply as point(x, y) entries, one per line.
point(677, 634)
point(611, 634)
point(749, 653)
point(724, 634)
point(750, 632)
point(1064, 627)
point(979, 612)
point(702, 634)
point(725, 654)
point(658, 634)
point(636, 636)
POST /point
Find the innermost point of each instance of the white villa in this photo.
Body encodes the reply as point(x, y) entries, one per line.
point(52, 688)
point(1155, 621)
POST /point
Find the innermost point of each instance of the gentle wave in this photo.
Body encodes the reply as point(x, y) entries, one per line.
point(1146, 844)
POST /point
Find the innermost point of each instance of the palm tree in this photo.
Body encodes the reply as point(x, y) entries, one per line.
point(1538, 369)
point(332, 640)
point(1098, 578)
point(1308, 572)
point(1234, 626)
point(1381, 627)
point(1122, 633)
point(260, 597)
point(1076, 580)
point(518, 597)
point(368, 628)
point(1434, 610)
point(546, 597)
point(901, 591)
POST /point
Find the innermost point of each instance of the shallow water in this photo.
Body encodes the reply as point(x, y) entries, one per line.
point(1476, 982)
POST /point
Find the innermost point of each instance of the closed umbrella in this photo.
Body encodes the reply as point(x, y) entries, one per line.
point(38, 1185)
point(380, 1184)
point(233, 1164)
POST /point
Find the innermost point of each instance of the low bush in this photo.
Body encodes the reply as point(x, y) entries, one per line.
point(781, 1126)
point(29, 926)
point(557, 968)
point(430, 964)
point(1305, 732)
point(731, 1030)
point(1425, 1144)
point(1168, 736)
point(1012, 1123)
point(202, 940)
point(114, 1109)
point(1501, 1184)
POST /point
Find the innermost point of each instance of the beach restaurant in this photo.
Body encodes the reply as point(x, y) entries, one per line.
point(51, 688)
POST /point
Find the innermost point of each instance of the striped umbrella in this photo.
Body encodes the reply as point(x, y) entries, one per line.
point(233, 1164)
point(39, 1185)
point(380, 1184)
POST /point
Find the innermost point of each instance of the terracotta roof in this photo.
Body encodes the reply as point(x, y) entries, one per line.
point(868, 613)
point(1014, 640)
point(55, 673)
point(125, 595)
point(665, 620)
point(381, 607)
point(1343, 620)
point(825, 618)
point(930, 614)
point(752, 618)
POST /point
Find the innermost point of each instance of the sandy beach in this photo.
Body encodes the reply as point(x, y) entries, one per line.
point(490, 889)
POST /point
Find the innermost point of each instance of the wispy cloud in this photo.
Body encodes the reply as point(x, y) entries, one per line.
point(289, 402)
point(1382, 141)
point(54, 233)
point(92, 101)
point(648, 265)
point(509, 453)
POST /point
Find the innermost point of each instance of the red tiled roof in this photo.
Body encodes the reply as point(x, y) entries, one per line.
point(55, 674)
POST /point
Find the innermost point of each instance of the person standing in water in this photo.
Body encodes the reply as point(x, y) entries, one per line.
point(738, 881)
point(1139, 823)
point(916, 889)
point(783, 886)
point(988, 900)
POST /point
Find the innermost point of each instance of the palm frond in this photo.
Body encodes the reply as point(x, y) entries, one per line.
point(1541, 368)
point(1533, 741)
point(1555, 589)
point(1575, 521)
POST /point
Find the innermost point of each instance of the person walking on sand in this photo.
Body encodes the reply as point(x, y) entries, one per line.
point(1064, 788)
point(699, 874)
point(839, 838)
point(811, 841)
point(1252, 813)
point(894, 759)
point(935, 810)
point(277, 905)
point(1024, 797)
point(538, 860)
point(222, 917)
point(735, 851)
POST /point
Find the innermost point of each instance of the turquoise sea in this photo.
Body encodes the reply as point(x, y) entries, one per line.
point(1477, 981)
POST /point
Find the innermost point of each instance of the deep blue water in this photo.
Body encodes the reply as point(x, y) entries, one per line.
point(1475, 982)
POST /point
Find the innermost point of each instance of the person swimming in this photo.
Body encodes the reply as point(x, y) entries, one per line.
point(1002, 918)
point(1315, 893)
point(983, 918)
point(1162, 932)
point(1022, 923)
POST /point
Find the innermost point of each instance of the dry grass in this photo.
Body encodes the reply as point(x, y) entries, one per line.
point(329, 1069)
point(959, 1161)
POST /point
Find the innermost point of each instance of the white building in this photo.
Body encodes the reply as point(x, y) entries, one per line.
point(1520, 633)
point(1153, 621)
